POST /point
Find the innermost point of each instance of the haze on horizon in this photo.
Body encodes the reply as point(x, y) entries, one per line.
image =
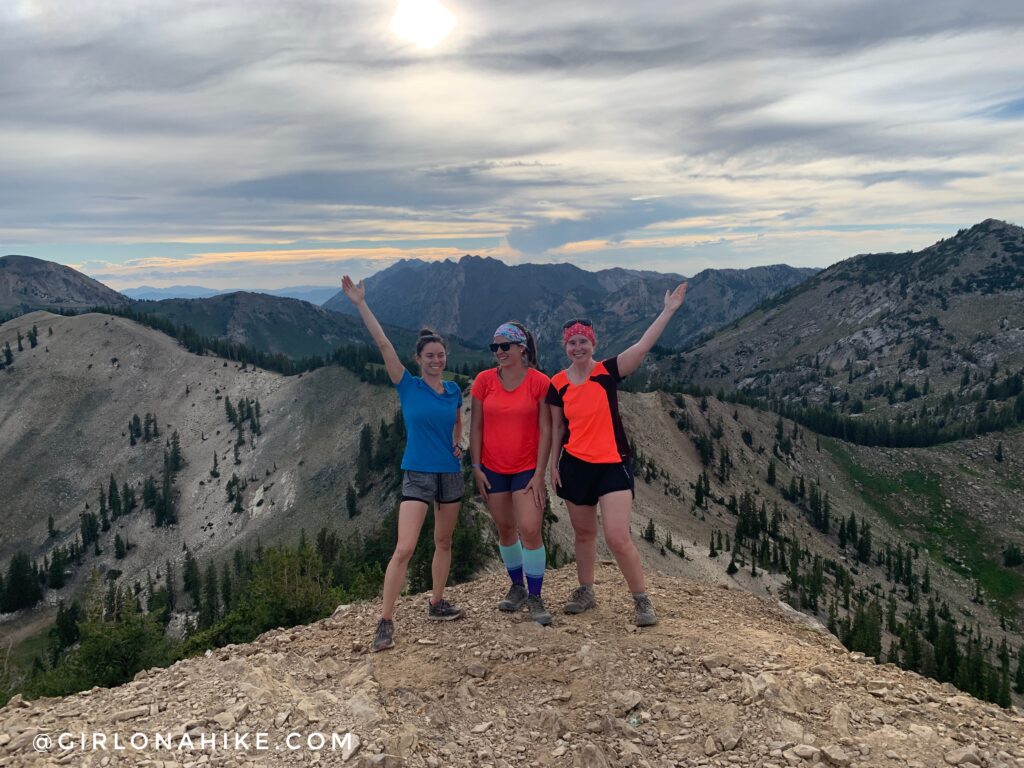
point(267, 145)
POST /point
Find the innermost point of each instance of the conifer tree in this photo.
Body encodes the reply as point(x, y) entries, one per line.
point(350, 501)
point(208, 612)
point(649, 532)
point(119, 547)
point(114, 496)
point(192, 580)
point(8, 354)
point(226, 598)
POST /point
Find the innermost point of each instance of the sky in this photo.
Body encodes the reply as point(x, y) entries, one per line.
point(265, 144)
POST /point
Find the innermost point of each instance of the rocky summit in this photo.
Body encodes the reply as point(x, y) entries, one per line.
point(724, 679)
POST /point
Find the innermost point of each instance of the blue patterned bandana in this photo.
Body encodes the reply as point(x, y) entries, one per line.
point(511, 332)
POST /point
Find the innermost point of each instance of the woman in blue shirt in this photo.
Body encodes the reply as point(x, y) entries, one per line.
point(432, 464)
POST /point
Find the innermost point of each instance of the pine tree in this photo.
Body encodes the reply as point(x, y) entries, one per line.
point(713, 552)
point(999, 451)
point(50, 530)
point(176, 459)
point(192, 580)
point(8, 354)
point(226, 600)
point(1019, 677)
point(208, 612)
point(771, 472)
point(649, 532)
point(214, 472)
point(119, 548)
point(114, 497)
point(350, 501)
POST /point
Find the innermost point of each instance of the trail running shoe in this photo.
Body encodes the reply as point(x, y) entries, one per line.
point(384, 637)
point(442, 610)
point(515, 598)
point(582, 599)
point(643, 612)
point(538, 613)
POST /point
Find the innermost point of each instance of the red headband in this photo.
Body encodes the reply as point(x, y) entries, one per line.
point(579, 329)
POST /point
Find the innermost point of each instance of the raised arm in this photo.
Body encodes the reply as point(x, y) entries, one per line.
point(356, 293)
point(630, 360)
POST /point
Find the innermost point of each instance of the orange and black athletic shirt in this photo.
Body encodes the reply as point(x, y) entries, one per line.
point(593, 428)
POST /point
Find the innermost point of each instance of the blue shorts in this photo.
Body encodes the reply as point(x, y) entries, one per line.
point(507, 483)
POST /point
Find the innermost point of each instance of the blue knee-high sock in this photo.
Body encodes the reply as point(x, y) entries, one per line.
point(534, 561)
point(512, 556)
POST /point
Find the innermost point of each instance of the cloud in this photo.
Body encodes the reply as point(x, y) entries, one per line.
point(612, 132)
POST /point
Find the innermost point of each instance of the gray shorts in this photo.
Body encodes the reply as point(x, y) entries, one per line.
point(442, 487)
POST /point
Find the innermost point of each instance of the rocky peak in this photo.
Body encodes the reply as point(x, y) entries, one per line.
point(724, 679)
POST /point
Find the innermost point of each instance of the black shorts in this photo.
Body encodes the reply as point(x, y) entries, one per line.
point(584, 483)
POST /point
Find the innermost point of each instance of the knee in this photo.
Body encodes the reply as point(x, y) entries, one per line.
point(619, 543)
point(506, 531)
point(585, 533)
point(402, 554)
point(530, 534)
point(442, 543)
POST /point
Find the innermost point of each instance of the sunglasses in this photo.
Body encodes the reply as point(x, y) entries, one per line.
point(580, 320)
point(504, 346)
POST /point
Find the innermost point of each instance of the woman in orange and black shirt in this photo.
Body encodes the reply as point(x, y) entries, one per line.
point(592, 463)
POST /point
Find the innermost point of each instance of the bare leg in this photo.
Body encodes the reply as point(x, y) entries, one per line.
point(528, 517)
point(445, 517)
point(584, 525)
point(410, 520)
point(616, 508)
point(503, 514)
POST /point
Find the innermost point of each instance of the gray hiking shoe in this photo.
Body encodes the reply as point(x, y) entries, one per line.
point(582, 599)
point(538, 613)
point(384, 637)
point(643, 611)
point(442, 610)
point(515, 598)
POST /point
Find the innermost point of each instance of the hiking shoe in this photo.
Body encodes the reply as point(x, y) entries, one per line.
point(643, 612)
point(538, 613)
point(442, 610)
point(384, 637)
point(515, 598)
point(582, 599)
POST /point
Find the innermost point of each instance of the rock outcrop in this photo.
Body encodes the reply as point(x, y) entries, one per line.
point(724, 679)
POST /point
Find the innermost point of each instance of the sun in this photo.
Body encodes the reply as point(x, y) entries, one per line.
point(423, 22)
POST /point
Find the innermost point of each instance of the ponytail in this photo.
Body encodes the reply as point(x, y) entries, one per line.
point(532, 360)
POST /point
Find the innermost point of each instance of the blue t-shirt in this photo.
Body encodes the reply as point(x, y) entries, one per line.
point(429, 423)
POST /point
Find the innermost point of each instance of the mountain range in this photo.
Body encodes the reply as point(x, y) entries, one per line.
point(472, 296)
point(944, 518)
point(314, 294)
point(884, 334)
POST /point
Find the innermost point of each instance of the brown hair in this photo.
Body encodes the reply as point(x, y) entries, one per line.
point(427, 336)
point(531, 345)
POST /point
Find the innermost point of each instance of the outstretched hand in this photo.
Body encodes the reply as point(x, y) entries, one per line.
point(674, 299)
point(356, 292)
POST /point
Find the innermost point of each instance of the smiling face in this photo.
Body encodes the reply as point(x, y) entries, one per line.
point(509, 359)
point(579, 349)
point(432, 359)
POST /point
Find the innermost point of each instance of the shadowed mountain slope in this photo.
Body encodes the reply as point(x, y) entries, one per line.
point(27, 283)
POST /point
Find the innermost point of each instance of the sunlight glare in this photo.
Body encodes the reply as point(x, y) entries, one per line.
point(423, 22)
